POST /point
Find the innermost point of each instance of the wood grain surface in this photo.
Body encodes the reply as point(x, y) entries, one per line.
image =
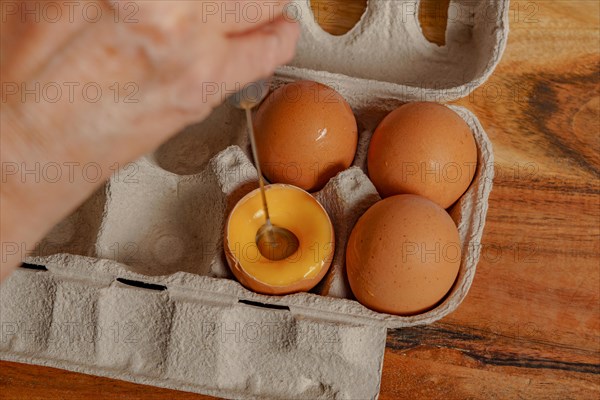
point(530, 326)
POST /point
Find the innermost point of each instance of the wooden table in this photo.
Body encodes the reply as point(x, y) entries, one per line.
point(530, 326)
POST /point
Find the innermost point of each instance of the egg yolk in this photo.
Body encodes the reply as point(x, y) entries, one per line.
point(290, 208)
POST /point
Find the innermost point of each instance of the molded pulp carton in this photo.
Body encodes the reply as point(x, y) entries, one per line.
point(134, 285)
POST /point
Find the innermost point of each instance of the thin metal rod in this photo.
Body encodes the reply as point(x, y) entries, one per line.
point(261, 182)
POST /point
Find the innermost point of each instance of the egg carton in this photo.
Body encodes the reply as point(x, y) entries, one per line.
point(134, 285)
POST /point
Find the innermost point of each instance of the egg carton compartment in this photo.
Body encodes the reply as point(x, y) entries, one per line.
point(134, 285)
point(157, 222)
point(190, 152)
point(165, 223)
point(77, 233)
point(386, 54)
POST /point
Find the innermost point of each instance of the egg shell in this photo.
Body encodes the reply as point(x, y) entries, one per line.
point(425, 149)
point(403, 255)
point(308, 221)
point(306, 133)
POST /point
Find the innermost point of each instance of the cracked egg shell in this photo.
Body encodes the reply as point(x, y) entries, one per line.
point(294, 209)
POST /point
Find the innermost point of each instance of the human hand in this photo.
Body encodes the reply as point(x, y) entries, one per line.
point(152, 72)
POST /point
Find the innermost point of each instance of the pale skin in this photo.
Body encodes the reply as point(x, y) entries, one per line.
point(166, 59)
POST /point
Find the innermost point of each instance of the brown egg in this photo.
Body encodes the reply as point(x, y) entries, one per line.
point(425, 149)
point(403, 255)
point(306, 133)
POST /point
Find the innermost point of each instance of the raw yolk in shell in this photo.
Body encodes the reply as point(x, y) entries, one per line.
point(291, 208)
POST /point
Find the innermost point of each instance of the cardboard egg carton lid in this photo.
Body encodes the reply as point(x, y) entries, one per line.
point(387, 56)
point(134, 284)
